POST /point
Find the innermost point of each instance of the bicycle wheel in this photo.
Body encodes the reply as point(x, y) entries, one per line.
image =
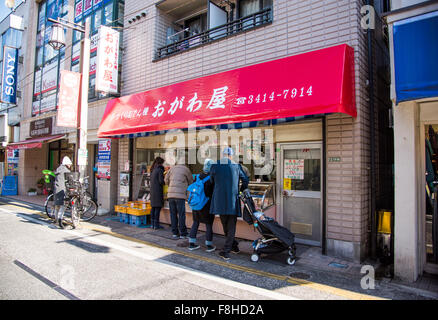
point(75, 211)
point(89, 208)
point(49, 206)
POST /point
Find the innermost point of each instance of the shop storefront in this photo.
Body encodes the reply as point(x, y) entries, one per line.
point(43, 149)
point(415, 107)
point(272, 114)
point(283, 162)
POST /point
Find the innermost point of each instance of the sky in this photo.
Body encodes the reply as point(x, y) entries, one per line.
point(4, 11)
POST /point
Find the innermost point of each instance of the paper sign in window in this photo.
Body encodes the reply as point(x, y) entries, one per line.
point(294, 169)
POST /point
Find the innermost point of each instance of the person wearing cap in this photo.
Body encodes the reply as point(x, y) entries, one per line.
point(203, 215)
point(60, 190)
point(225, 175)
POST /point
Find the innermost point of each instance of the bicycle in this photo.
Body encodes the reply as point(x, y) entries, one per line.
point(78, 202)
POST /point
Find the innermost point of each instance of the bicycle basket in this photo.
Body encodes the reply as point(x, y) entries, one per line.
point(71, 176)
point(72, 183)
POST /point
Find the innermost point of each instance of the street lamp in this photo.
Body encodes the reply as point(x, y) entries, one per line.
point(57, 42)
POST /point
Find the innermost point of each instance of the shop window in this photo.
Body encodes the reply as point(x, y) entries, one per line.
point(256, 171)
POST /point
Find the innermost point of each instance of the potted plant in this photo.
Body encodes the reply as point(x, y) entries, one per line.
point(32, 192)
point(40, 183)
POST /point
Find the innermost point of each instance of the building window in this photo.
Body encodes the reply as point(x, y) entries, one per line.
point(47, 60)
point(248, 7)
point(97, 13)
point(195, 26)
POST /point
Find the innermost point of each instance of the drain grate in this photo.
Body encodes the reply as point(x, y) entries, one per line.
point(300, 275)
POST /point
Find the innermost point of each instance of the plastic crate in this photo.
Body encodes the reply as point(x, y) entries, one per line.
point(142, 204)
point(138, 221)
point(124, 217)
point(138, 212)
point(120, 208)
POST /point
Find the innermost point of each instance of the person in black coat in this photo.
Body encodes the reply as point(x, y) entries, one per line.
point(203, 215)
point(225, 175)
point(157, 197)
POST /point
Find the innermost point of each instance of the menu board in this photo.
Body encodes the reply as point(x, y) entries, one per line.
point(294, 169)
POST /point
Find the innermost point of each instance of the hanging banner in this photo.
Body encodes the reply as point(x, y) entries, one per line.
point(107, 68)
point(9, 75)
point(316, 82)
point(68, 99)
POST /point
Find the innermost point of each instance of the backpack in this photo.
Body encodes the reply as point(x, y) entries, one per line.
point(197, 198)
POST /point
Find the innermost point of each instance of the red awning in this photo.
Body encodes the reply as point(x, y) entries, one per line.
point(316, 82)
point(34, 143)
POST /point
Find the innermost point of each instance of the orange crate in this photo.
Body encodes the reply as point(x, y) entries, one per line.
point(120, 208)
point(140, 205)
point(138, 211)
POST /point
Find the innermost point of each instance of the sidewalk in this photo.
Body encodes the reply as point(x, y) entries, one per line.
point(311, 266)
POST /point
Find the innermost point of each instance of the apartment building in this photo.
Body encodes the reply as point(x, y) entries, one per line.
point(292, 77)
point(320, 181)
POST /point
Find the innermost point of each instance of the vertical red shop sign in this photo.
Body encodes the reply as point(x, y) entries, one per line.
point(68, 99)
point(107, 68)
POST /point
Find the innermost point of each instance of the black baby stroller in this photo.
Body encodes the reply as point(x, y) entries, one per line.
point(275, 238)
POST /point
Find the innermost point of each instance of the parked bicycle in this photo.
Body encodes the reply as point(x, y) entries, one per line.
point(78, 202)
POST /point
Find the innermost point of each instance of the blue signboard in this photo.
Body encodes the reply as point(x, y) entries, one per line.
point(9, 75)
point(10, 186)
point(416, 57)
point(104, 151)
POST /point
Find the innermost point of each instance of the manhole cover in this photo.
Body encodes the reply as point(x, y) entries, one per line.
point(300, 275)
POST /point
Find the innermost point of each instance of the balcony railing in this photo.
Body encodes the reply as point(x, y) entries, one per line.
point(243, 24)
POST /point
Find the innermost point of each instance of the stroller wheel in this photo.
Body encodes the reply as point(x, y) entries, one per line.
point(291, 261)
point(255, 257)
point(292, 251)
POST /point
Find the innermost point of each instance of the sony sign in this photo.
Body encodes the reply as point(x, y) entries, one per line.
point(9, 75)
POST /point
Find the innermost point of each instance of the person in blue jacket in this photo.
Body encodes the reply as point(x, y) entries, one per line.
point(225, 175)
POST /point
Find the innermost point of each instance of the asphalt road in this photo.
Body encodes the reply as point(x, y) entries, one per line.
point(41, 261)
